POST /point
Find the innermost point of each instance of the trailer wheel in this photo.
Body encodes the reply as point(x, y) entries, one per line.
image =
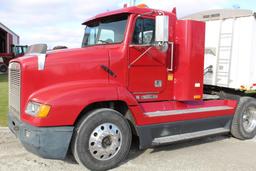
point(3, 68)
point(244, 122)
point(102, 139)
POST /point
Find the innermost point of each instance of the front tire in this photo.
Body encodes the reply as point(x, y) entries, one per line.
point(244, 122)
point(102, 139)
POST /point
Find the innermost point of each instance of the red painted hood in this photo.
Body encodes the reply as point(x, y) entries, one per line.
point(62, 66)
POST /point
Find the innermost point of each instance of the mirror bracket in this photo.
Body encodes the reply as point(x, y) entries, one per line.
point(162, 46)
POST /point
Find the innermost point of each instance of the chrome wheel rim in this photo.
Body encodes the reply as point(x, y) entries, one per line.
point(249, 119)
point(105, 141)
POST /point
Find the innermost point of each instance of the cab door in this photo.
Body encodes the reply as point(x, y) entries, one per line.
point(147, 64)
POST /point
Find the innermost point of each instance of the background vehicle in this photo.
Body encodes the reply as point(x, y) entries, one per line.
point(139, 72)
point(9, 47)
point(16, 51)
point(230, 49)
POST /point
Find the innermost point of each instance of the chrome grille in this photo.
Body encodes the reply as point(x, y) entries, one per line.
point(14, 88)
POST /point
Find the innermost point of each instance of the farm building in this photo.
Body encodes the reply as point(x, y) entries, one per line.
point(7, 39)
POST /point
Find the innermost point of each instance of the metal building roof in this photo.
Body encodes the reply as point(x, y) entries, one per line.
point(219, 14)
point(2, 26)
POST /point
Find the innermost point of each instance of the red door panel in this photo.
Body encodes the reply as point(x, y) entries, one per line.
point(142, 79)
point(147, 71)
point(152, 57)
point(147, 68)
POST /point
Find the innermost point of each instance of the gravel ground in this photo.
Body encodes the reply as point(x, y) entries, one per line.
point(216, 153)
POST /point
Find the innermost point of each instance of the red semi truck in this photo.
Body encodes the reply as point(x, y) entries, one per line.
point(139, 73)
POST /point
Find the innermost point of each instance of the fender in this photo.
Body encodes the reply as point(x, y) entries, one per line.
point(67, 100)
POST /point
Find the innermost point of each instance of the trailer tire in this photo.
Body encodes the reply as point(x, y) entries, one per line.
point(101, 140)
point(3, 68)
point(244, 122)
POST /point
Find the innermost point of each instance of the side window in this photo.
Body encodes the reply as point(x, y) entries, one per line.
point(90, 35)
point(144, 32)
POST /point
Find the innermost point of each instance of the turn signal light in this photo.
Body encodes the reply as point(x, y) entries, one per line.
point(197, 97)
point(43, 111)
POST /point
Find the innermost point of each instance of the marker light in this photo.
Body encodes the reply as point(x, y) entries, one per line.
point(37, 109)
point(197, 97)
point(142, 6)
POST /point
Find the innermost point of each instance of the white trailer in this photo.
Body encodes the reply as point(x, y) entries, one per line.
point(230, 48)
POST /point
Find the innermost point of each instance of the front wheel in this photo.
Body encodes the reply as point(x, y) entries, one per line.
point(244, 122)
point(102, 139)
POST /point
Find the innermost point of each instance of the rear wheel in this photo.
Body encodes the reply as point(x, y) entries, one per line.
point(244, 122)
point(3, 68)
point(102, 139)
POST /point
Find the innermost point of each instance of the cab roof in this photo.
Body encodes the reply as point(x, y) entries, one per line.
point(128, 10)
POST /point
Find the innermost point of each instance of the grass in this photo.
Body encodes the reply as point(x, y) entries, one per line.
point(3, 99)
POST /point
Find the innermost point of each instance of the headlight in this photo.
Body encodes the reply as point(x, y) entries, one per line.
point(37, 109)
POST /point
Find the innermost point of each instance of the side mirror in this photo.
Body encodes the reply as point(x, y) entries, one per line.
point(162, 29)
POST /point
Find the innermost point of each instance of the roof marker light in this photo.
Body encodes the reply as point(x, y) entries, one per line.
point(142, 6)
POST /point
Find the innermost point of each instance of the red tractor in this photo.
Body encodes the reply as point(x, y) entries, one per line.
point(17, 51)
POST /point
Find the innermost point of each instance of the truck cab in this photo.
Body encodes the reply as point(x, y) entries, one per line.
point(139, 72)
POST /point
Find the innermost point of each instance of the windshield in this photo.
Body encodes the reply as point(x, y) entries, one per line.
point(105, 31)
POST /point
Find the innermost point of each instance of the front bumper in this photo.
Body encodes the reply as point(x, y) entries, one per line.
point(46, 142)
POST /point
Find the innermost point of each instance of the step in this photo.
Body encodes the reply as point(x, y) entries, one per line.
point(225, 34)
point(222, 85)
point(222, 72)
point(222, 76)
point(224, 61)
point(187, 136)
point(221, 62)
point(225, 47)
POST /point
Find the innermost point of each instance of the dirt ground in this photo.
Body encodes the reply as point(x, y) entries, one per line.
point(216, 153)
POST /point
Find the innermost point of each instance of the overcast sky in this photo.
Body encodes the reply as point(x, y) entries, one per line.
point(58, 22)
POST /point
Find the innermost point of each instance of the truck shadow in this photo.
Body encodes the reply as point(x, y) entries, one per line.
point(70, 159)
point(189, 143)
point(136, 152)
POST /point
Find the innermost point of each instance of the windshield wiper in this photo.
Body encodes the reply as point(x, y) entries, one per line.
point(104, 41)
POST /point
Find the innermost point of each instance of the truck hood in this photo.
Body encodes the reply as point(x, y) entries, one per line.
point(75, 56)
point(62, 56)
point(63, 66)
